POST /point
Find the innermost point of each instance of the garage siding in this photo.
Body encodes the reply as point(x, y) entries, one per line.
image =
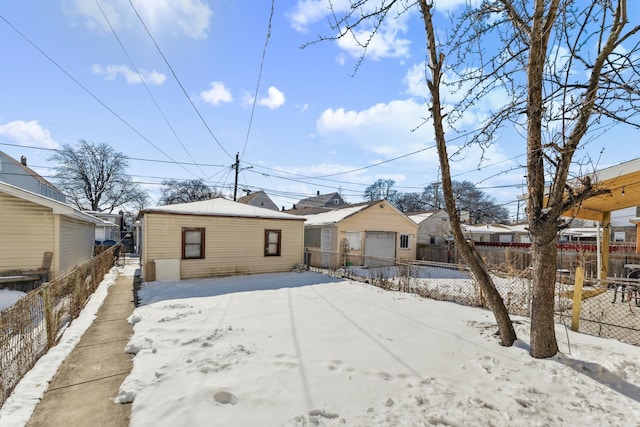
point(26, 233)
point(233, 245)
point(381, 219)
point(76, 243)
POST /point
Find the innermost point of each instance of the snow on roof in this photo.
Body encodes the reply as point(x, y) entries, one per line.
point(333, 216)
point(221, 207)
point(418, 218)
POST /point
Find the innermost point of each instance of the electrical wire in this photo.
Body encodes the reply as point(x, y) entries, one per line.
point(146, 87)
point(175, 76)
point(255, 95)
point(127, 157)
point(83, 87)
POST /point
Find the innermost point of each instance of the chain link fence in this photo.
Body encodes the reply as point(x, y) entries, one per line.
point(36, 321)
point(608, 308)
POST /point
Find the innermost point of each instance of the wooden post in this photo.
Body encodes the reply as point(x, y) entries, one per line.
point(48, 317)
point(606, 240)
point(577, 298)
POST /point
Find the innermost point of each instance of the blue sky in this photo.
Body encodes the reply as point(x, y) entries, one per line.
point(314, 126)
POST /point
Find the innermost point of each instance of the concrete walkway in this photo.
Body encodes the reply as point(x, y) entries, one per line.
point(82, 391)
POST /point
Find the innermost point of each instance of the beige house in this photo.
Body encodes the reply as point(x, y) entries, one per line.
point(371, 233)
point(218, 237)
point(31, 224)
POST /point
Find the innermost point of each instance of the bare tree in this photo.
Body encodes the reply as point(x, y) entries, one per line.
point(562, 67)
point(381, 189)
point(374, 13)
point(94, 177)
point(176, 191)
point(410, 202)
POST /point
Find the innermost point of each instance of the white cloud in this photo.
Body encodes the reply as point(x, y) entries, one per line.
point(385, 43)
point(112, 71)
point(188, 17)
point(28, 134)
point(384, 129)
point(275, 99)
point(217, 94)
point(306, 12)
point(397, 128)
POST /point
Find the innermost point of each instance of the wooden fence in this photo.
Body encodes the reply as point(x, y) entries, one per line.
point(518, 257)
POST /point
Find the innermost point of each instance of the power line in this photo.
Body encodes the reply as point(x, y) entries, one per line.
point(255, 96)
point(83, 87)
point(133, 65)
point(175, 76)
point(128, 157)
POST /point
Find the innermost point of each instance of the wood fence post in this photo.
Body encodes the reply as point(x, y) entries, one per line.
point(577, 299)
point(48, 316)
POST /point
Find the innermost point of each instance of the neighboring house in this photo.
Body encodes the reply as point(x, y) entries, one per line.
point(20, 175)
point(218, 237)
point(495, 233)
point(109, 228)
point(259, 199)
point(377, 230)
point(317, 204)
point(433, 227)
point(31, 224)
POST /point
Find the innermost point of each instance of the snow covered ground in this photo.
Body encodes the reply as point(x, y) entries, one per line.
point(307, 349)
point(335, 352)
point(9, 297)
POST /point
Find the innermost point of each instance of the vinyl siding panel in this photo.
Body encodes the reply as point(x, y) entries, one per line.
point(233, 245)
point(376, 218)
point(76, 243)
point(26, 233)
point(437, 225)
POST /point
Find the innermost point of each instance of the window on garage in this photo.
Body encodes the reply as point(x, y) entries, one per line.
point(272, 240)
point(404, 241)
point(192, 243)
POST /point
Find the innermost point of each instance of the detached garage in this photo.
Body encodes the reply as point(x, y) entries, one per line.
point(371, 233)
point(31, 224)
point(218, 237)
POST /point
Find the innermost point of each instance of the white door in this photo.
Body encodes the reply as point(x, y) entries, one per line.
point(325, 247)
point(379, 248)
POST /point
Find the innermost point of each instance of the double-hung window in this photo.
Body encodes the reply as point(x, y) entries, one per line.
point(272, 240)
point(192, 243)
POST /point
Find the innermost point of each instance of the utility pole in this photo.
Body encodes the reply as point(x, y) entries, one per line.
point(236, 166)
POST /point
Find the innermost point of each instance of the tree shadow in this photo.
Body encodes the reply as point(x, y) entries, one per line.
point(602, 375)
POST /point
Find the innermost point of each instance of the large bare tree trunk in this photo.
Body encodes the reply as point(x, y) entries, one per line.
point(545, 258)
point(468, 252)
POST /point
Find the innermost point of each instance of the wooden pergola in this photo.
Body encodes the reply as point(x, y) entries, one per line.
point(623, 183)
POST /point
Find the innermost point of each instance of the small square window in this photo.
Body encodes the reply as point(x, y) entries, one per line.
point(272, 242)
point(404, 241)
point(192, 243)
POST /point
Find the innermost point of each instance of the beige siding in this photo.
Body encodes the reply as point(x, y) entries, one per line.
point(76, 243)
point(26, 233)
point(376, 218)
point(233, 245)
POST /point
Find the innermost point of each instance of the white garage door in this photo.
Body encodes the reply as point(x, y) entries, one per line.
point(379, 244)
